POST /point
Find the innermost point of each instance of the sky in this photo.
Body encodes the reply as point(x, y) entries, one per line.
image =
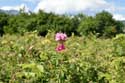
point(89, 7)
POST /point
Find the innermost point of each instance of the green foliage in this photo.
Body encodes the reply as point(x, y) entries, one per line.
point(33, 59)
point(119, 44)
point(108, 26)
point(3, 22)
point(102, 24)
point(89, 25)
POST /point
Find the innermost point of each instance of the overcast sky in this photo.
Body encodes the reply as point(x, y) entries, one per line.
point(89, 7)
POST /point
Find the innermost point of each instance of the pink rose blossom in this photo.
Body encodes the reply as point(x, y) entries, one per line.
point(60, 36)
point(60, 47)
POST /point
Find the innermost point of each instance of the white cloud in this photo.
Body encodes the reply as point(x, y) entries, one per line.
point(15, 7)
point(70, 6)
point(119, 17)
point(77, 6)
point(114, 8)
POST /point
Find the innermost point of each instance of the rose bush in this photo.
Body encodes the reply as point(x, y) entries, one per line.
point(33, 59)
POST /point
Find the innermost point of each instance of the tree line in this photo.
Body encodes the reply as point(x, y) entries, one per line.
point(102, 24)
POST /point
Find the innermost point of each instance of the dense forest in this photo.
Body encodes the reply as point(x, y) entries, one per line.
point(102, 24)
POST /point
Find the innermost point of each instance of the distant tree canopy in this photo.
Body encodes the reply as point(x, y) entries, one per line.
point(3, 22)
point(102, 23)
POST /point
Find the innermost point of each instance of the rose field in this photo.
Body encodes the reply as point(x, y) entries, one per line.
point(86, 59)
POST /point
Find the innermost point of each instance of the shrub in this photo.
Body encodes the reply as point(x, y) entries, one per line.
point(33, 59)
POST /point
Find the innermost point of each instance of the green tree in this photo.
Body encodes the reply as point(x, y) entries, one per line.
point(76, 20)
point(104, 21)
point(89, 25)
point(102, 24)
point(3, 21)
